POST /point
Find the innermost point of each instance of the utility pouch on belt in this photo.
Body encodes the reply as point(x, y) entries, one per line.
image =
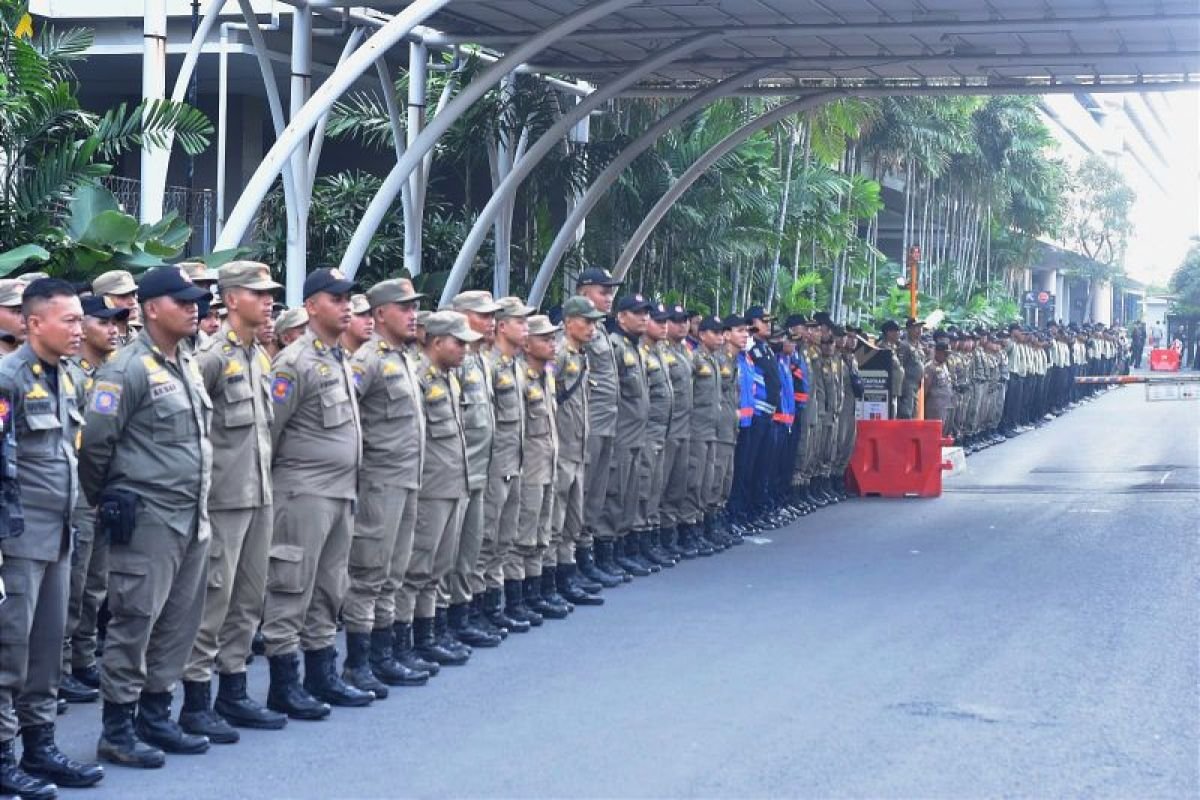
point(116, 515)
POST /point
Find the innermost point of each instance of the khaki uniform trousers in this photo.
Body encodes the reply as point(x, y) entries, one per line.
point(701, 459)
point(237, 583)
point(32, 621)
point(595, 489)
point(532, 536)
point(501, 510)
point(828, 446)
point(307, 574)
point(675, 481)
point(649, 485)
point(89, 584)
point(460, 585)
point(156, 598)
point(566, 525)
point(435, 542)
point(722, 482)
point(379, 554)
point(619, 511)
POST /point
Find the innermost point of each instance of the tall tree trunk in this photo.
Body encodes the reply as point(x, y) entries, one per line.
point(782, 221)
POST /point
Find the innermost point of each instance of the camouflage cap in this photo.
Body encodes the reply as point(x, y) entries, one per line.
point(580, 306)
point(292, 318)
point(395, 290)
point(116, 281)
point(199, 272)
point(480, 302)
point(246, 275)
point(450, 323)
point(511, 307)
point(359, 304)
point(11, 290)
point(540, 325)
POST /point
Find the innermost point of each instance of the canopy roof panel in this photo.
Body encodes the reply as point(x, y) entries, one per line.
point(824, 43)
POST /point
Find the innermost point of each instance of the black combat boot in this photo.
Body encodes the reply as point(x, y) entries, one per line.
point(119, 743)
point(16, 782)
point(624, 550)
point(239, 710)
point(635, 550)
point(590, 571)
point(493, 607)
point(606, 551)
point(426, 646)
point(357, 671)
point(385, 666)
point(89, 676)
point(708, 533)
point(197, 717)
point(571, 591)
point(658, 548)
point(515, 607)
point(286, 695)
point(73, 690)
point(41, 758)
point(531, 596)
point(322, 681)
point(650, 555)
point(550, 589)
point(443, 636)
point(666, 540)
point(477, 617)
point(405, 654)
point(695, 537)
point(155, 726)
point(461, 627)
point(683, 541)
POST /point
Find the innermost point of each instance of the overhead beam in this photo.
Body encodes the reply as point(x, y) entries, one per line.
point(1030, 87)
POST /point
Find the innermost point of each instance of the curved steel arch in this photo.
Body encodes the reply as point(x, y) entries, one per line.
point(544, 145)
point(321, 101)
point(394, 182)
point(618, 165)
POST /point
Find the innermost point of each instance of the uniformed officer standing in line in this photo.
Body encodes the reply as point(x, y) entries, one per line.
point(815, 414)
point(650, 461)
point(797, 365)
point(237, 377)
point(290, 326)
point(677, 356)
point(502, 499)
point(891, 340)
point(571, 423)
point(735, 336)
point(12, 324)
point(531, 558)
point(442, 499)
point(316, 440)
point(598, 286)
point(912, 359)
point(939, 388)
point(616, 551)
point(757, 444)
point(80, 680)
point(702, 450)
point(146, 463)
point(42, 403)
point(832, 369)
point(479, 426)
point(847, 424)
point(362, 325)
point(393, 421)
point(119, 290)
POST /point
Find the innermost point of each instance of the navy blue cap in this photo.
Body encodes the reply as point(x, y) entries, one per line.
point(95, 307)
point(680, 314)
point(823, 318)
point(711, 324)
point(795, 321)
point(890, 325)
point(327, 280)
point(733, 321)
point(594, 276)
point(634, 302)
point(170, 282)
point(757, 312)
point(660, 313)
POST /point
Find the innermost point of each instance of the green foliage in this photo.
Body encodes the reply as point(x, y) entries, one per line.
point(1098, 219)
point(1185, 285)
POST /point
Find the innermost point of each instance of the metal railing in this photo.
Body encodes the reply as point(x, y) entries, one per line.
point(196, 207)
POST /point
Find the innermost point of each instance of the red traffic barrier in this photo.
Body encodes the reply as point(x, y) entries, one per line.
point(899, 458)
point(1164, 360)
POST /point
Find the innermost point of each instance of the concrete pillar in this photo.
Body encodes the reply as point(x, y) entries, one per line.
point(249, 143)
point(1102, 302)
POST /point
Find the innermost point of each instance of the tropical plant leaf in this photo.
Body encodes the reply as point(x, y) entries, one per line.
point(17, 257)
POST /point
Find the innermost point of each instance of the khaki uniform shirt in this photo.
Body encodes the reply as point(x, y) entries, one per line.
point(678, 360)
point(602, 382)
point(83, 373)
point(706, 396)
point(47, 420)
point(658, 386)
point(316, 433)
point(571, 417)
point(727, 419)
point(444, 472)
point(147, 433)
point(478, 418)
point(541, 438)
point(393, 421)
point(508, 387)
point(237, 378)
point(912, 358)
point(633, 403)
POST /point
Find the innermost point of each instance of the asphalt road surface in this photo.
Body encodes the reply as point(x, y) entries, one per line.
point(1031, 633)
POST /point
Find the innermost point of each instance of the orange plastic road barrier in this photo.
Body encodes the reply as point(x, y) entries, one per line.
point(899, 458)
point(1164, 360)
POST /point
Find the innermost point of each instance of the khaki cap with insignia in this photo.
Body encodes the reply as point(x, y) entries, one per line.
point(199, 272)
point(450, 323)
point(359, 304)
point(292, 318)
point(479, 301)
point(540, 325)
point(251, 275)
point(11, 290)
point(511, 307)
point(116, 281)
point(30, 277)
point(395, 290)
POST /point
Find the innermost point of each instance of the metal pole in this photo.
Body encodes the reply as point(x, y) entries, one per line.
point(297, 239)
point(567, 233)
point(314, 153)
point(548, 141)
point(154, 87)
point(321, 101)
point(414, 190)
point(454, 109)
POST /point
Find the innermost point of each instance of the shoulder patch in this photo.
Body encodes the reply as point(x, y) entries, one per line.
point(281, 388)
point(234, 367)
point(436, 392)
point(5, 411)
point(106, 398)
point(151, 363)
point(357, 371)
point(630, 359)
point(37, 392)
